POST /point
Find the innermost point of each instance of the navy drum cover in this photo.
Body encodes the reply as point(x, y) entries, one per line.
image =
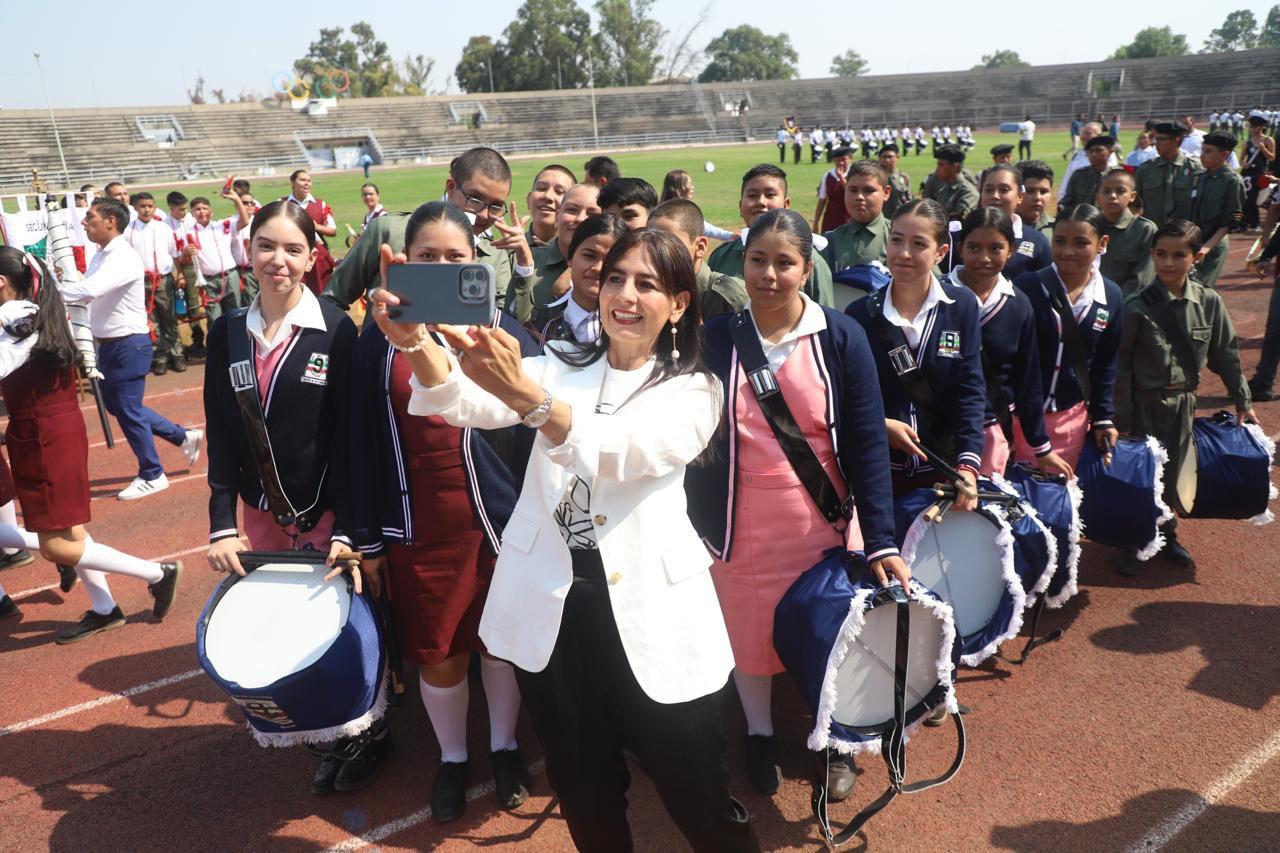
point(967, 559)
point(835, 631)
point(1057, 505)
point(1035, 550)
point(1123, 503)
point(302, 657)
point(1233, 470)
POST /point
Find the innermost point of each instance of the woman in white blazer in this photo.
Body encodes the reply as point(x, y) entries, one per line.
point(602, 596)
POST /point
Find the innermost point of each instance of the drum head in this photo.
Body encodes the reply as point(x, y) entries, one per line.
point(1187, 479)
point(960, 560)
point(275, 621)
point(865, 676)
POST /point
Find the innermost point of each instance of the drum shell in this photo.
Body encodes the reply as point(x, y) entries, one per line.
point(1123, 504)
point(340, 694)
point(1057, 505)
point(1233, 469)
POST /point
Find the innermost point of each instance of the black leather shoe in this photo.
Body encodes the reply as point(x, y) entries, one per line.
point(326, 774)
point(91, 623)
point(159, 368)
point(359, 772)
point(449, 792)
point(840, 776)
point(762, 764)
point(1126, 563)
point(16, 559)
point(510, 778)
point(164, 589)
point(9, 608)
point(1174, 552)
point(178, 363)
point(1260, 393)
point(67, 577)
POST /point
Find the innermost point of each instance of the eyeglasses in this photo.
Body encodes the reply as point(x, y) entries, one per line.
point(475, 204)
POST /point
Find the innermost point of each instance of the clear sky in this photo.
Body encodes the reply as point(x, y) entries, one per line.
point(149, 54)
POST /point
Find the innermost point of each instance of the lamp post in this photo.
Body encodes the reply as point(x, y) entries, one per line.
point(57, 138)
point(591, 82)
point(488, 63)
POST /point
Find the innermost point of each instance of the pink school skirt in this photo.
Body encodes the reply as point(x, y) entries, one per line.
point(1067, 433)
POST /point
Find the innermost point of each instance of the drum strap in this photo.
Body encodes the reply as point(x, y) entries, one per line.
point(893, 747)
point(1072, 344)
point(244, 383)
point(1173, 333)
point(790, 437)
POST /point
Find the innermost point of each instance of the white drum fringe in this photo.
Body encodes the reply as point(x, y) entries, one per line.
point(322, 736)
point(1072, 586)
point(1156, 545)
point(1050, 541)
point(1269, 445)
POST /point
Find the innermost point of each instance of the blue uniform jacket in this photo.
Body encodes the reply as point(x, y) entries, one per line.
point(950, 357)
point(1100, 334)
point(857, 434)
point(1031, 251)
point(1009, 345)
point(379, 481)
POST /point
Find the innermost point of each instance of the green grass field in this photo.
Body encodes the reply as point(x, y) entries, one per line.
point(716, 192)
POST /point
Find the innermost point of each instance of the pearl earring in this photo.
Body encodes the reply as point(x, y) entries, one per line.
point(675, 349)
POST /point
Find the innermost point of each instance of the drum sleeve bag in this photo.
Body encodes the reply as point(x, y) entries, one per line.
point(790, 437)
point(1072, 343)
point(244, 383)
point(1173, 333)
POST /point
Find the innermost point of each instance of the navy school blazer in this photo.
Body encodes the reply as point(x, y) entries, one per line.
point(494, 460)
point(857, 434)
point(1100, 334)
point(1009, 345)
point(953, 369)
point(1030, 252)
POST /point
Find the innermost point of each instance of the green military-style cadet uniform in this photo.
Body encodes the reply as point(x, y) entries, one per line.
point(900, 184)
point(719, 293)
point(1165, 187)
point(1082, 188)
point(959, 198)
point(729, 259)
point(549, 264)
point(1045, 225)
point(852, 244)
point(510, 287)
point(1217, 201)
point(1155, 389)
point(361, 269)
point(1127, 260)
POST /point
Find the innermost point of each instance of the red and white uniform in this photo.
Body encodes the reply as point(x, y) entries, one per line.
point(215, 244)
point(240, 246)
point(155, 243)
point(374, 214)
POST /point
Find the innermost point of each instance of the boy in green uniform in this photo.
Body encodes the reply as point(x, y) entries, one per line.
point(764, 187)
point(717, 293)
point(1172, 330)
point(551, 278)
point(956, 195)
point(1002, 153)
point(1127, 260)
point(899, 181)
point(1217, 204)
point(1037, 189)
point(629, 199)
point(865, 237)
point(543, 202)
point(1165, 183)
point(1082, 188)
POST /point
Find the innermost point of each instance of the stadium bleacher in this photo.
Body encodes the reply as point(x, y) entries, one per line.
point(104, 144)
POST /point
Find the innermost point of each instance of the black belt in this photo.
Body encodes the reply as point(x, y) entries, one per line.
point(116, 339)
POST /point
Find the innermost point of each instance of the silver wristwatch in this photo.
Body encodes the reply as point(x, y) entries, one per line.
point(539, 414)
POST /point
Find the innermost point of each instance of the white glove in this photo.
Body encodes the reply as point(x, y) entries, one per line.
point(15, 310)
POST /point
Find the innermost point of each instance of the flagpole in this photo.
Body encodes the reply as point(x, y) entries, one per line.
point(66, 175)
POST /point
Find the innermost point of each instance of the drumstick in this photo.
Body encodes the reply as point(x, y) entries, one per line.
point(1106, 451)
point(936, 511)
point(949, 491)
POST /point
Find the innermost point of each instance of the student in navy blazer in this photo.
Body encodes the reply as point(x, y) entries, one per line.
point(942, 341)
point(1097, 305)
point(1010, 356)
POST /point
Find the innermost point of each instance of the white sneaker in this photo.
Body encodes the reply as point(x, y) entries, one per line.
point(140, 488)
point(191, 445)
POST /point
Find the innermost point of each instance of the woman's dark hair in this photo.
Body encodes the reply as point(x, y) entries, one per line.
point(1181, 229)
point(371, 185)
point(787, 222)
point(927, 208)
point(675, 185)
point(987, 217)
point(290, 211)
point(671, 261)
point(437, 211)
point(594, 226)
point(1002, 167)
point(1086, 213)
point(55, 349)
point(296, 172)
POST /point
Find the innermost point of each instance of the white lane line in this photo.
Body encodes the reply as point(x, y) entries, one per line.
point(26, 593)
point(386, 830)
point(120, 441)
point(1161, 835)
point(173, 481)
point(99, 702)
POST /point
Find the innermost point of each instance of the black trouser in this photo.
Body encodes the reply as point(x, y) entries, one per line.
point(1252, 218)
point(1024, 149)
point(795, 148)
point(1265, 373)
point(587, 706)
point(782, 152)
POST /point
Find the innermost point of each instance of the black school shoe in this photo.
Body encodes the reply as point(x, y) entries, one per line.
point(159, 368)
point(178, 363)
point(9, 608)
point(163, 590)
point(360, 771)
point(1126, 563)
point(510, 778)
point(840, 776)
point(326, 774)
point(91, 623)
point(449, 792)
point(18, 558)
point(67, 577)
point(762, 764)
point(1260, 393)
point(1173, 550)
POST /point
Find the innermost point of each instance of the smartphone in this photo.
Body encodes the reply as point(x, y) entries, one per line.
point(226, 188)
point(457, 294)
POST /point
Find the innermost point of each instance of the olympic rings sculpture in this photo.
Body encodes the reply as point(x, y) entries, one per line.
point(330, 84)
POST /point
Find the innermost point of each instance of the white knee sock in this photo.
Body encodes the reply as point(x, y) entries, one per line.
point(756, 695)
point(447, 709)
point(104, 558)
point(95, 583)
point(9, 516)
point(503, 696)
point(13, 537)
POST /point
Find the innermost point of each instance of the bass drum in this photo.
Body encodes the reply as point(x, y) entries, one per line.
point(1228, 474)
point(1123, 503)
point(1057, 505)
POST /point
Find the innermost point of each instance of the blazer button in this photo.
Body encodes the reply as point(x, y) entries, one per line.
point(615, 578)
point(600, 520)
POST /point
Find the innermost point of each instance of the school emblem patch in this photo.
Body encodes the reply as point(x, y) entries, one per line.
point(1027, 248)
point(317, 371)
point(1101, 319)
point(949, 343)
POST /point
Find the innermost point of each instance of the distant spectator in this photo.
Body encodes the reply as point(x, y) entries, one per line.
point(601, 170)
point(1026, 133)
point(1080, 159)
point(1077, 126)
point(372, 199)
point(1115, 128)
point(1143, 152)
point(679, 184)
point(365, 162)
point(1193, 141)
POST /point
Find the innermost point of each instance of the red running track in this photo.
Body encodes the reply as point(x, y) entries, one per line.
point(1153, 723)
